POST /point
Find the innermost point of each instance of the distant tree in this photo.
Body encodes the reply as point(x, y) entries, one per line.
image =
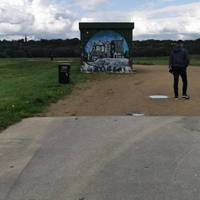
point(72, 48)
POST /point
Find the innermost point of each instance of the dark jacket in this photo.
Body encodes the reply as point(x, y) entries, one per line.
point(179, 58)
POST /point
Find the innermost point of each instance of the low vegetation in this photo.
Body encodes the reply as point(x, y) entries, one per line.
point(71, 48)
point(194, 60)
point(27, 86)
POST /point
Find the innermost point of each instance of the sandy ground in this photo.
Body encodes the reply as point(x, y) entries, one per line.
point(124, 94)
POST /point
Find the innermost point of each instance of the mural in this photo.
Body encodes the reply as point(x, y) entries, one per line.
point(106, 51)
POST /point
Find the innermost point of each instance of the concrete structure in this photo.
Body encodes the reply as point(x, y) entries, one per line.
point(106, 41)
point(102, 158)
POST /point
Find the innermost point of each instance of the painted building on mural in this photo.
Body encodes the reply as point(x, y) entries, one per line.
point(106, 47)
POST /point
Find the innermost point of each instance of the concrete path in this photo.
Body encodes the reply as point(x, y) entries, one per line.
point(102, 158)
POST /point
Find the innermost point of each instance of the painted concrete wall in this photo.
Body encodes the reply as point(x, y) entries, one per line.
point(106, 51)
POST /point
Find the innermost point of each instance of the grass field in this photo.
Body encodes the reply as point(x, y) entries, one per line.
point(27, 86)
point(194, 60)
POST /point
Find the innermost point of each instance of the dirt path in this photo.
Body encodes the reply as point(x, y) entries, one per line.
point(124, 94)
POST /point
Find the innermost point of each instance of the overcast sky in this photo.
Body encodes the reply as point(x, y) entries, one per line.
point(154, 19)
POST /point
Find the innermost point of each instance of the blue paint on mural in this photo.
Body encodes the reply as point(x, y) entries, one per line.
point(107, 39)
point(106, 51)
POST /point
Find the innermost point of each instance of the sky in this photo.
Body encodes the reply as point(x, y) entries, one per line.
point(59, 19)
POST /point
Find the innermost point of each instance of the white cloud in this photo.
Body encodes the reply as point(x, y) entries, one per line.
point(173, 22)
point(90, 4)
point(176, 22)
point(45, 19)
point(35, 17)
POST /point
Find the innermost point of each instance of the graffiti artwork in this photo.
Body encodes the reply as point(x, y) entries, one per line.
point(106, 51)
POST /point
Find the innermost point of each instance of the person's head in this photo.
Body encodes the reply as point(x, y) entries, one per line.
point(180, 44)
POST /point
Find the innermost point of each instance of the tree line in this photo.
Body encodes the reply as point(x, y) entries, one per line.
point(71, 48)
point(152, 48)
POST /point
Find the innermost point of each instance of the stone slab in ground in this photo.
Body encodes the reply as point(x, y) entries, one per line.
point(101, 158)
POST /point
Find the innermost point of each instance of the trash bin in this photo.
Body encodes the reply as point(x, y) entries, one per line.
point(64, 73)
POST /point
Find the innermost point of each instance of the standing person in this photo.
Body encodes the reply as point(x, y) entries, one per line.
point(178, 63)
point(51, 55)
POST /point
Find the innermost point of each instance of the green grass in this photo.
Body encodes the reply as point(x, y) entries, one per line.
point(195, 60)
point(27, 86)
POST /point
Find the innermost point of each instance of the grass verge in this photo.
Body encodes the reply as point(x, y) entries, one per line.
point(27, 86)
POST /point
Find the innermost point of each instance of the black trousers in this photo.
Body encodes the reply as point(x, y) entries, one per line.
point(183, 74)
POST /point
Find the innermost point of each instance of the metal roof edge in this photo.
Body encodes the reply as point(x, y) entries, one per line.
point(106, 25)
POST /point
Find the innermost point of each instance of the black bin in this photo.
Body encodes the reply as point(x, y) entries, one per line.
point(64, 73)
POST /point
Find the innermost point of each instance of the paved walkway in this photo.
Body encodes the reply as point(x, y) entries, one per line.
point(102, 158)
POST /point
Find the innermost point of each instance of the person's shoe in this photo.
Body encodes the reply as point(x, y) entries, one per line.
point(176, 98)
point(186, 97)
